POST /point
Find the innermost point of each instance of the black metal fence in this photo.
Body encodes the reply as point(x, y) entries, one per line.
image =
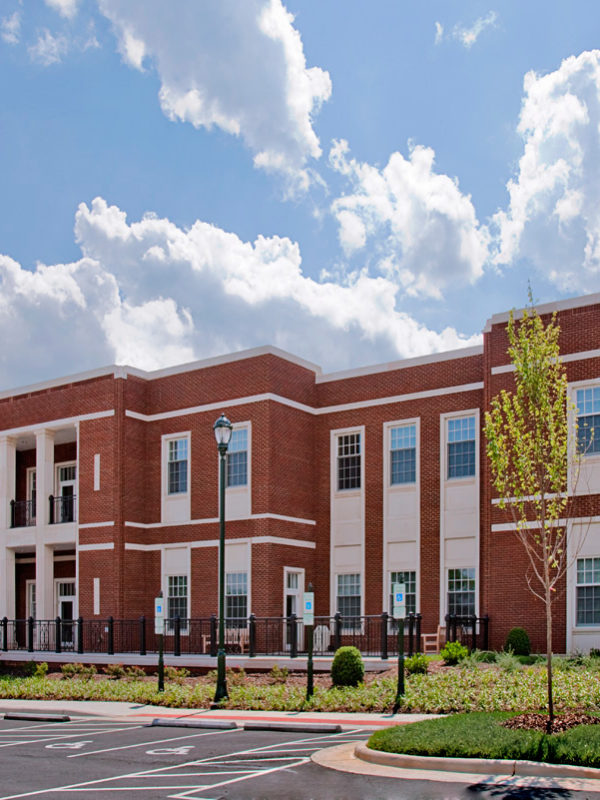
point(375, 636)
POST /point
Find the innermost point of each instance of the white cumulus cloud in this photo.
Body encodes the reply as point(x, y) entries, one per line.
point(467, 36)
point(48, 49)
point(150, 294)
point(10, 28)
point(239, 66)
point(424, 232)
point(553, 216)
point(67, 8)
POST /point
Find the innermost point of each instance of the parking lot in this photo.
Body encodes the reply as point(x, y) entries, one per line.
point(96, 758)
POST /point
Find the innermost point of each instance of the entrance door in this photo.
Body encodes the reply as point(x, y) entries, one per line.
point(293, 590)
point(66, 481)
point(65, 609)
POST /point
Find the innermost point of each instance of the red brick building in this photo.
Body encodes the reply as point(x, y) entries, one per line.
point(349, 480)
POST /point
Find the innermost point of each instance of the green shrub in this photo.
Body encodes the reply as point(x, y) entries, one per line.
point(279, 674)
point(484, 656)
point(347, 668)
point(41, 670)
point(77, 670)
point(518, 641)
point(176, 675)
point(114, 671)
point(453, 652)
point(134, 673)
point(417, 664)
point(508, 661)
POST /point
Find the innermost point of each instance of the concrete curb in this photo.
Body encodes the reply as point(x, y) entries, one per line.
point(219, 724)
point(37, 717)
point(485, 766)
point(297, 727)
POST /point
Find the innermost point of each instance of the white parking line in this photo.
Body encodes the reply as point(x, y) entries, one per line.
point(43, 738)
point(150, 744)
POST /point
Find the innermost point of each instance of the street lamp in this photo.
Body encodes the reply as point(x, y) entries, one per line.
point(222, 429)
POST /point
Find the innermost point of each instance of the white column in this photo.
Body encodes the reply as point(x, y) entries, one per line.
point(44, 466)
point(44, 555)
point(7, 479)
point(7, 583)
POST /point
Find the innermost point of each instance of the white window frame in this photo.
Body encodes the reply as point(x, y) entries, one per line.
point(168, 442)
point(31, 477)
point(475, 591)
point(29, 584)
point(175, 508)
point(184, 626)
point(455, 418)
point(391, 426)
point(337, 436)
point(75, 483)
point(361, 597)
point(247, 594)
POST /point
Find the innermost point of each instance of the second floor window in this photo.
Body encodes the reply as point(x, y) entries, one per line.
point(237, 458)
point(178, 466)
point(348, 461)
point(403, 454)
point(461, 447)
point(588, 420)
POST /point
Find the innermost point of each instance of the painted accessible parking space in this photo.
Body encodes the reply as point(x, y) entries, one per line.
point(89, 758)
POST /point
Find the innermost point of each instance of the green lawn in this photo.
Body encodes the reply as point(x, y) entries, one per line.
point(481, 735)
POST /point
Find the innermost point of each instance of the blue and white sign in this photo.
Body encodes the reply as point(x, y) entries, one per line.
point(159, 615)
point(308, 615)
point(399, 605)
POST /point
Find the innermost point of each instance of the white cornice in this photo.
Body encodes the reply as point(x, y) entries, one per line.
point(55, 424)
point(406, 363)
point(545, 308)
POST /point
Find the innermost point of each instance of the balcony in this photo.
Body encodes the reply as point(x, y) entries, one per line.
point(22, 513)
point(62, 509)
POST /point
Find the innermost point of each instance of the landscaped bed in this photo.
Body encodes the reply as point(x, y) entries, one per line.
point(470, 686)
point(482, 735)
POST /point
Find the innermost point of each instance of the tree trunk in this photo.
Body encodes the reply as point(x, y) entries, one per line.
point(549, 658)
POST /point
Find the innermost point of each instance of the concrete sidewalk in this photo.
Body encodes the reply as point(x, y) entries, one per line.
point(132, 712)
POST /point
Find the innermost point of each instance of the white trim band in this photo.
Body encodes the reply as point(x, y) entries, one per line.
point(215, 543)
point(97, 546)
point(581, 356)
point(55, 424)
point(214, 520)
point(96, 525)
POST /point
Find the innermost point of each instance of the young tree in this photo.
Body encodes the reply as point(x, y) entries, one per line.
point(529, 447)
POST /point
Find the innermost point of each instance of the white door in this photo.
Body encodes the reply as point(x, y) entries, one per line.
point(66, 602)
point(293, 591)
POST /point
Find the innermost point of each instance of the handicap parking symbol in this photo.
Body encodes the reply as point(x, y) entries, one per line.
point(67, 745)
point(168, 751)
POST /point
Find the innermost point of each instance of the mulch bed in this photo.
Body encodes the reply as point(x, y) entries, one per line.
point(561, 723)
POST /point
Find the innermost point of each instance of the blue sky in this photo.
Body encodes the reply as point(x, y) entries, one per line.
point(352, 182)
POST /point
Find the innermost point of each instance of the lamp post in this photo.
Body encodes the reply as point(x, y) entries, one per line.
point(222, 429)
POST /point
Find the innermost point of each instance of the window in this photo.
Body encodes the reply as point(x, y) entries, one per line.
point(348, 600)
point(588, 591)
point(588, 420)
point(177, 597)
point(32, 492)
point(237, 458)
point(31, 600)
point(177, 466)
point(236, 599)
point(461, 592)
point(409, 579)
point(348, 461)
point(461, 447)
point(403, 454)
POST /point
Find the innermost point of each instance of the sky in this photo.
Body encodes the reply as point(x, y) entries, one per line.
point(352, 182)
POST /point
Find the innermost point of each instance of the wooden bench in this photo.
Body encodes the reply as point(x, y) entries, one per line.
point(239, 637)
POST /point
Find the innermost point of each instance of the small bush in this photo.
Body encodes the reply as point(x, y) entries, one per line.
point(347, 668)
point(176, 675)
point(41, 670)
point(134, 673)
point(453, 652)
point(77, 670)
point(484, 656)
point(114, 671)
point(508, 661)
point(279, 674)
point(518, 641)
point(417, 664)
point(594, 652)
point(236, 676)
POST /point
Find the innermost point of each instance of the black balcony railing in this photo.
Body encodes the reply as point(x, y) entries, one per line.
point(62, 509)
point(22, 513)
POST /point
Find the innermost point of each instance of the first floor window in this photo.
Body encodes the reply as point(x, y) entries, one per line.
point(236, 599)
point(177, 475)
point(461, 592)
point(348, 600)
point(588, 420)
point(31, 600)
point(237, 458)
point(409, 579)
point(588, 591)
point(348, 461)
point(461, 447)
point(177, 597)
